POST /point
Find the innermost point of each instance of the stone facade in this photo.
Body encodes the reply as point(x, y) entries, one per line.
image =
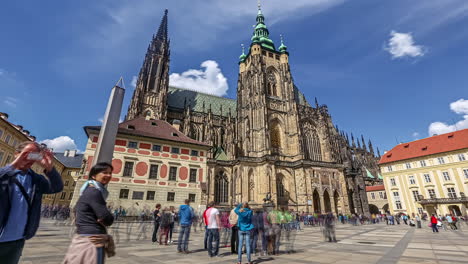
point(270, 141)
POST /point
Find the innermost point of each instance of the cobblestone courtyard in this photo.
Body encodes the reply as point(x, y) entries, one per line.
point(357, 244)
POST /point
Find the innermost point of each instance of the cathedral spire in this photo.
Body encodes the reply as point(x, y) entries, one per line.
point(261, 34)
point(150, 95)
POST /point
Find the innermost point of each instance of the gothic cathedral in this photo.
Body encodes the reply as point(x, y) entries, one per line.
point(270, 142)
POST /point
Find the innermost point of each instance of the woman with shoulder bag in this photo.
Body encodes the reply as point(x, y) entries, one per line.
point(92, 243)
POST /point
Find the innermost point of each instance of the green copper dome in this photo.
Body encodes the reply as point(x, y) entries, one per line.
point(242, 57)
point(283, 48)
point(261, 33)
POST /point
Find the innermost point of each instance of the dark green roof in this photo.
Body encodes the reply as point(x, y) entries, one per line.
point(177, 98)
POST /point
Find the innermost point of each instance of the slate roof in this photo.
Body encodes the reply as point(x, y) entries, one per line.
point(427, 146)
point(70, 162)
point(157, 129)
point(177, 98)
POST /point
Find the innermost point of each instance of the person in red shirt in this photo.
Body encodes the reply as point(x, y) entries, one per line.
point(434, 224)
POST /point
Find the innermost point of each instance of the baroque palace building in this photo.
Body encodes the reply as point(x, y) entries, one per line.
point(428, 176)
point(66, 163)
point(270, 143)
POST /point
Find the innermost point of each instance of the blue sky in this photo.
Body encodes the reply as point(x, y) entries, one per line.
point(394, 71)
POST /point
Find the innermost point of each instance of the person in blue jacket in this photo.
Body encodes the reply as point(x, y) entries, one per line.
point(245, 225)
point(21, 191)
point(185, 219)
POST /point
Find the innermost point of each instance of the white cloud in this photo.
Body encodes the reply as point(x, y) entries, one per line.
point(415, 135)
point(210, 80)
point(402, 45)
point(10, 101)
point(459, 107)
point(134, 81)
point(2, 72)
point(60, 144)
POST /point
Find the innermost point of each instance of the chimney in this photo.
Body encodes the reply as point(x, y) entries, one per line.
point(65, 153)
point(4, 116)
point(72, 153)
point(176, 124)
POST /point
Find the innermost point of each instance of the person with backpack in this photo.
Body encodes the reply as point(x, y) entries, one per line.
point(165, 226)
point(21, 191)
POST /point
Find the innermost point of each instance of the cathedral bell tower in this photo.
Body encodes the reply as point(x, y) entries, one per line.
point(267, 112)
point(150, 95)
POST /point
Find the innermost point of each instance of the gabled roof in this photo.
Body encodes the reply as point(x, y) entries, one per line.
point(70, 162)
point(177, 98)
point(375, 188)
point(157, 129)
point(427, 146)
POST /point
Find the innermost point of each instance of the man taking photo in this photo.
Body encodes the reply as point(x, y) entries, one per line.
point(21, 191)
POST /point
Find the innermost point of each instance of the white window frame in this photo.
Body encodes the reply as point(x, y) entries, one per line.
point(441, 160)
point(408, 165)
point(389, 168)
point(372, 196)
point(461, 157)
point(427, 178)
point(429, 193)
point(450, 194)
point(422, 163)
point(412, 180)
point(415, 195)
point(465, 172)
point(446, 176)
point(392, 181)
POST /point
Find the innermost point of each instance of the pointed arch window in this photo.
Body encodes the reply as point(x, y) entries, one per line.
point(280, 187)
point(275, 137)
point(311, 143)
point(271, 84)
point(221, 191)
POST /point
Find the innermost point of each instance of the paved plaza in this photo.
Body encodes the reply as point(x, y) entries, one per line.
point(357, 244)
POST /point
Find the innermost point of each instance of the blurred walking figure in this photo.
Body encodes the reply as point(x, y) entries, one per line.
point(234, 229)
point(92, 243)
point(157, 222)
point(185, 220)
point(245, 225)
point(258, 233)
point(165, 226)
point(171, 226)
point(21, 191)
point(330, 227)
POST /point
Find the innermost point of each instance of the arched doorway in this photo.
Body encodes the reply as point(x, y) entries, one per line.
point(281, 191)
point(455, 210)
point(373, 209)
point(385, 208)
point(316, 201)
point(326, 202)
point(336, 199)
point(221, 191)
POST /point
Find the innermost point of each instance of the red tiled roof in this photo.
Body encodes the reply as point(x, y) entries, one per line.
point(427, 146)
point(375, 188)
point(153, 129)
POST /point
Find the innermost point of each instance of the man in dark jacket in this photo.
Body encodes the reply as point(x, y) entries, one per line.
point(20, 212)
point(157, 222)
